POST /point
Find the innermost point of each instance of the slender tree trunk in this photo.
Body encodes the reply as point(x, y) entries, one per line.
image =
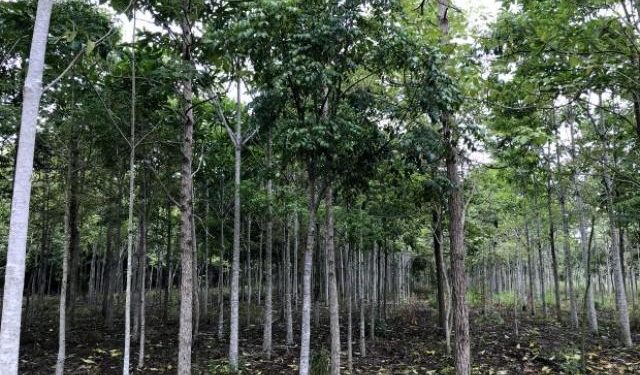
point(349, 292)
point(531, 273)
point(456, 230)
point(268, 266)
point(287, 292)
point(567, 250)
point(552, 246)
point(621, 298)
point(374, 290)
point(130, 227)
point(334, 317)
point(589, 301)
point(186, 203)
point(363, 335)
point(107, 310)
point(439, 262)
point(305, 331)
point(62, 310)
point(296, 234)
point(142, 265)
point(206, 257)
point(93, 273)
point(235, 262)
point(221, 270)
point(541, 272)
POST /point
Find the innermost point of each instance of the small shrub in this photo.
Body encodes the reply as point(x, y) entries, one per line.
point(320, 362)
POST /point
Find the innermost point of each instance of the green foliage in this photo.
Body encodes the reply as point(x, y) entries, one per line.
point(320, 362)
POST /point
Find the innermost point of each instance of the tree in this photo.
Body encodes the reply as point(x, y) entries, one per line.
point(14, 275)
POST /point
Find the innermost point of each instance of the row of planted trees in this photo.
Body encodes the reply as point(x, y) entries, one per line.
point(284, 185)
point(300, 161)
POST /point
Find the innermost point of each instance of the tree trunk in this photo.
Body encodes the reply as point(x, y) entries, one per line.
point(439, 262)
point(589, 301)
point(186, 203)
point(552, 247)
point(62, 311)
point(130, 228)
point(349, 293)
point(456, 230)
point(235, 262)
point(287, 292)
point(268, 266)
point(621, 298)
point(142, 264)
point(334, 317)
point(567, 249)
point(363, 346)
point(305, 330)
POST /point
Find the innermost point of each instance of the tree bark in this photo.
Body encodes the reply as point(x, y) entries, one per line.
point(584, 245)
point(567, 249)
point(130, 228)
point(552, 247)
point(186, 203)
point(439, 261)
point(268, 266)
point(334, 317)
point(305, 330)
point(235, 262)
point(456, 230)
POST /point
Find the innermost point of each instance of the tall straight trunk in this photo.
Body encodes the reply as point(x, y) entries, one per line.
point(363, 346)
point(566, 246)
point(62, 310)
point(142, 264)
point(621, 247)
point(618, 278)
point(439, 261)
point(130, 228)
point(268, 266)
point(552, 246)
point(196, 281)
point(373, 291)
point(235, 262)
point(186, 202)
point(458, 274)
point(305, 330)
point(349, 293)
point(206, 256)
point(260, 265)
point(287, 292)
point(167, 294)
point(621, 298)
point(249, 268)
point(531, 274)
point(541, 273)
point(296, 234)
point(107, 310)
point(456, 229)
point(93, 275)
point(74, 211)
point(584, 245)
point(221, 270)
point(334, 317)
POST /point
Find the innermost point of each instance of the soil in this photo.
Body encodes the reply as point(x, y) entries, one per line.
point(408, 342)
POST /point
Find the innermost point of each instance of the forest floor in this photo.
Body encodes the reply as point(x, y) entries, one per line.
point(408, 343)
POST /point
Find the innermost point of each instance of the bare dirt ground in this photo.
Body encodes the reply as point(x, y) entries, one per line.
point(408, 342)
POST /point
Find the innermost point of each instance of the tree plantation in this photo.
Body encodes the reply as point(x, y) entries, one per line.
point(320, 187)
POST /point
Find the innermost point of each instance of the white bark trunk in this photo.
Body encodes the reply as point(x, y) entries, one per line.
point(334, 316)
point(130, 229)
point(305, 331)
point(19, 220)
point(235, 263)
